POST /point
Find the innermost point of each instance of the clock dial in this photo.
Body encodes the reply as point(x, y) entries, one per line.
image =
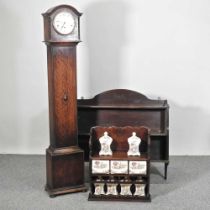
point(64, 23)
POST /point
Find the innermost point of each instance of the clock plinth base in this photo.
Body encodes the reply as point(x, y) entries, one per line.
point(65, 170)
point(61, 191)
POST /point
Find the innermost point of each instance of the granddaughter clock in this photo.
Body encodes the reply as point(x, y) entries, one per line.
point(64, 159)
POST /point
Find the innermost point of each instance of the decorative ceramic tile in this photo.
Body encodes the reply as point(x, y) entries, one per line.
point(99, 189)
point(140, 190)
point(125, 189)
point(100, 166)
point(111, 189)
point(119, 167)
point(134, 143)
point(105, 142)
point(137, 167)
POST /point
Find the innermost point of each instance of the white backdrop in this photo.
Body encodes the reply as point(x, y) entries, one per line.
point(159, 48)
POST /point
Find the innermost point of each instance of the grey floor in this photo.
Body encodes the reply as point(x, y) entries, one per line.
point(22, 180)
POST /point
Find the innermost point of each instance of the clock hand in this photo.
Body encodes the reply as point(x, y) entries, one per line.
point(63, 25)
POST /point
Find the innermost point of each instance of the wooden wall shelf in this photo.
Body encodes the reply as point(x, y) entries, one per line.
point(121, 107)
point(119, 179)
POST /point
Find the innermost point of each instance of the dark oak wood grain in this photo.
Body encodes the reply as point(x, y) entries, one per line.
point(64, 159)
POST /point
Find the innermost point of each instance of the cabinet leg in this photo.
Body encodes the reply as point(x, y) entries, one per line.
point(165, 171)
point(52, 196)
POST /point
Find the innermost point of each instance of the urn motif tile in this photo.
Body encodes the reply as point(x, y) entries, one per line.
point(111, 189)
point(137, 167)
point(125, 189)
point(140, 190)
point(100, 166)
point(99, 189)
point(119, 167)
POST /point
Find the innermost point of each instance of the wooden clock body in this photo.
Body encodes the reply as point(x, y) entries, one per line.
point(64, 159)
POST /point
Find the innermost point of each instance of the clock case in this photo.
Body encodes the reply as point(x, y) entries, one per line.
point(64, 159)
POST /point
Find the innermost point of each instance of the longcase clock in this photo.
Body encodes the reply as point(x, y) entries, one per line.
point(64, 159)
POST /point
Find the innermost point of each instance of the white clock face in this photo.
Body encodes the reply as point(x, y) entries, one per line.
point(64, 23)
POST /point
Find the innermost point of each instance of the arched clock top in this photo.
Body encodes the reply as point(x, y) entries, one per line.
point(57, 8)
point(62, 24)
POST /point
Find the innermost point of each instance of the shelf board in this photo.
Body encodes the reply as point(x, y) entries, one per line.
point(121, 155)
point(119, 182)
point(134, 107)
point(158, 134)
point(159, 161)
point(155, 133)
point(118, 198)
point(123, 174)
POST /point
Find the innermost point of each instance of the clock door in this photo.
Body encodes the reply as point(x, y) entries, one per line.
point(64, 131)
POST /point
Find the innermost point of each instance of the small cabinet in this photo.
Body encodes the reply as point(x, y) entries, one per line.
point(119, 176)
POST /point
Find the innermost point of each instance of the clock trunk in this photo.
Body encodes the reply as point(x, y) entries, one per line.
point(62, 95)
